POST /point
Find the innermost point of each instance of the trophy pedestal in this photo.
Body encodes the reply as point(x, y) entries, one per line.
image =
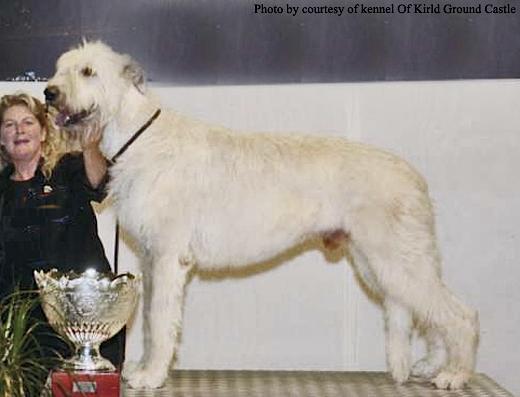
point(85, 384)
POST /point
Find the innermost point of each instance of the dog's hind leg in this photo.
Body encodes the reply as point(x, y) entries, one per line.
point(459, 327)
point(398, 332)
point(398, 318)
point(402, 253)
point(170, 275)
point(435, 306)
point(363, 271)
point(430, 365)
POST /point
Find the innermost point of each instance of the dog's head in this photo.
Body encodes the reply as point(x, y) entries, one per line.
point(89, 85)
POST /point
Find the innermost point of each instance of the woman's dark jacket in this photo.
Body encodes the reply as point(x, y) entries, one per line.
point(49, 223)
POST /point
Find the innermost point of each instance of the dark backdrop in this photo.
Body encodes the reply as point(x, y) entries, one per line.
point(224, 41)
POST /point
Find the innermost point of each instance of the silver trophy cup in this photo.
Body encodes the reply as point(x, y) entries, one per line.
point(87, 309)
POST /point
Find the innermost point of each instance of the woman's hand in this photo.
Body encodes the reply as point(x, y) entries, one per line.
point(90, 137)
point(95, 162)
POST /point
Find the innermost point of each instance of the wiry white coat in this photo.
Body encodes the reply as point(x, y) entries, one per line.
point(199, 194)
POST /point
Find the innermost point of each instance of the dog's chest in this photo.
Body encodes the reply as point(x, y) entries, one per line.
point(132, 199)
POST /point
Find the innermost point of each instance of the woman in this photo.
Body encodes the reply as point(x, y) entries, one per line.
point(46, 219)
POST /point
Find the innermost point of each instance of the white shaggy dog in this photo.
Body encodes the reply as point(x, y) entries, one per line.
point(199, 195)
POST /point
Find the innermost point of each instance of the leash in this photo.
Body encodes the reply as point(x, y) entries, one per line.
point(136, 135)
point(123, 149)
point(116, 248)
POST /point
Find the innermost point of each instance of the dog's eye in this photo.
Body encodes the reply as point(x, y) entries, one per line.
point(87, 71)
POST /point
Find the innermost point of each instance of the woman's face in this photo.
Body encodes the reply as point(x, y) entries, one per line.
point(21, 134)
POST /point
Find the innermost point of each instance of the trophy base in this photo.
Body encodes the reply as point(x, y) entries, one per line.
point(86, 364)
point(85, 384)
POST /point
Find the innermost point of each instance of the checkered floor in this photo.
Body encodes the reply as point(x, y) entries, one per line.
point(307, 384)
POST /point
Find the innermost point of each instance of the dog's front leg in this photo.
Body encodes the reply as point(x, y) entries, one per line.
point(146, 263)
point(165, 316)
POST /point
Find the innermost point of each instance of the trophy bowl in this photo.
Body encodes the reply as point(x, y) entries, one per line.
point(87, 309)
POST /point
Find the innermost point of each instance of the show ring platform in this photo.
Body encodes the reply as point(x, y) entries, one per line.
point(189, 383)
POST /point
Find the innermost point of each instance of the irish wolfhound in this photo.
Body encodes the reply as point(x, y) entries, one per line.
point(199, 195)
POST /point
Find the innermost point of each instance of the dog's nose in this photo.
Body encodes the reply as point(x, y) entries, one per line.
point(51, 93)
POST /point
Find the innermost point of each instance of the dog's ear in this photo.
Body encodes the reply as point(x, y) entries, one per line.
point(134, 73)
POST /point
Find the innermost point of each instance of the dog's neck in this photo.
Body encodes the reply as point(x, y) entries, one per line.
point(134, 111)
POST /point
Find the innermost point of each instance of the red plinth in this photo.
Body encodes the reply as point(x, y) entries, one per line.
point(85, 384)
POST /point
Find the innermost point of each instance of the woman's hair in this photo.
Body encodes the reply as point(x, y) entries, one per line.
point(53, 147)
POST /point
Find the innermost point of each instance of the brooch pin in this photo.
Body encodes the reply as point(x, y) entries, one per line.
point(47, 189)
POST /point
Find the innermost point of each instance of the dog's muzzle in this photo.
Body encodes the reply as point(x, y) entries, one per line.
point(64, 116)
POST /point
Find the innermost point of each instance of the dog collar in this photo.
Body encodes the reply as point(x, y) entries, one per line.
point(136, 135)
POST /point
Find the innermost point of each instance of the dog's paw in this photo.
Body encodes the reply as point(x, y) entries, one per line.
point(139, 376)
point(129, 368)
point(400, 370)
point(451, 380)
point(425, 368)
